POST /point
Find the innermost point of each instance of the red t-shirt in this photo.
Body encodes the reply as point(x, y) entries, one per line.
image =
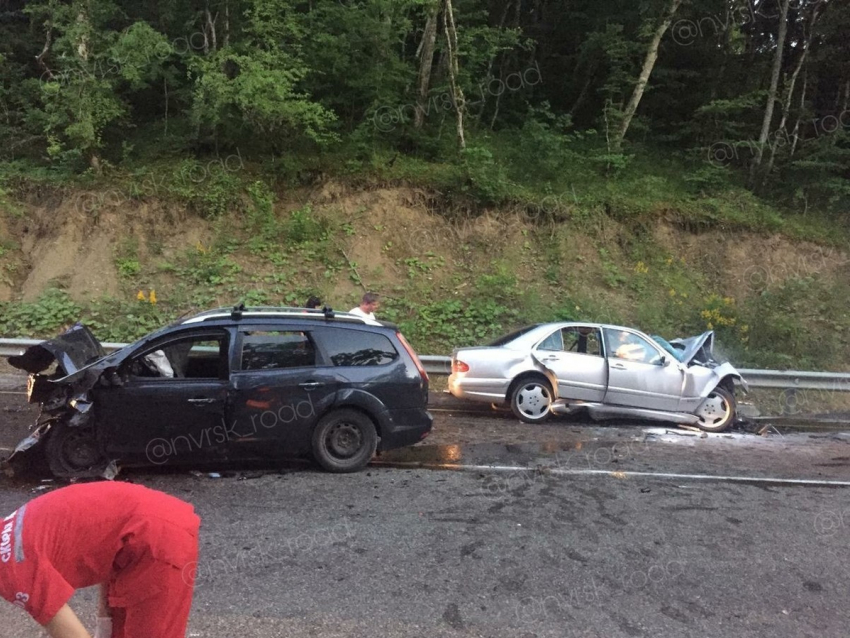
point(80, 535)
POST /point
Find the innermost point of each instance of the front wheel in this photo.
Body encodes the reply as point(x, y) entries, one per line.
point(531, 399)
point(344, 441)
point(73, 452)
point(717, 412)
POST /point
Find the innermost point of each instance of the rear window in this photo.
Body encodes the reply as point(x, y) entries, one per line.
point(511, 336)
point(356, 348)
point(276, 350)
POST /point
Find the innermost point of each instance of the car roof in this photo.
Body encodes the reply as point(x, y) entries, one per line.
point(536, 334)
point(280, 312)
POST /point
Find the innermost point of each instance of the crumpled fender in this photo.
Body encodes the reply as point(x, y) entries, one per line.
point(546, 371)
point(716, 375)
point(728, 370)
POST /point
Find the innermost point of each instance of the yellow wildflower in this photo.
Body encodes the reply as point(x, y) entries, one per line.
point(672, 293)
point(141, 296)
point(153, 297)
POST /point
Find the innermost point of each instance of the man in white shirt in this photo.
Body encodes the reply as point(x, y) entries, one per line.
point(368, 305)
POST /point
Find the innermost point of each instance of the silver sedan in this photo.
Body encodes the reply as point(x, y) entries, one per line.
point(609, 371)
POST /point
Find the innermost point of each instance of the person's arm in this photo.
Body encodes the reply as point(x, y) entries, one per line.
point(65, 624)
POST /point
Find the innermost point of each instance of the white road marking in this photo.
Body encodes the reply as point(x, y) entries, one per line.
point(618, 474)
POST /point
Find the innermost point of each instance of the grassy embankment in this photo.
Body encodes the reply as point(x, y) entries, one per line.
point(462, 251)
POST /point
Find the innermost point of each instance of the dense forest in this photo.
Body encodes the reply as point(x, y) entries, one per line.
point(750, 93)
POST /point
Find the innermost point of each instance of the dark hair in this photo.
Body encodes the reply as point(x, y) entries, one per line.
point(313, 302)
point(370, 297)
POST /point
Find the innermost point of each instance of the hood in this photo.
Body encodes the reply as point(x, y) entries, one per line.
point(71, 350)
point(697, 350)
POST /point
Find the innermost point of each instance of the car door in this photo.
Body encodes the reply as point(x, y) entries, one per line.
point(640, 374)
point(172, 403)
point(574, 354)
point(281, 386)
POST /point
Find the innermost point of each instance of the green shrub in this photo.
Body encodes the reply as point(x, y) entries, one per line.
point(44, 317)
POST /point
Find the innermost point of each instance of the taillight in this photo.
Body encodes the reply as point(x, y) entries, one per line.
point(459, 366)
point(413, 356)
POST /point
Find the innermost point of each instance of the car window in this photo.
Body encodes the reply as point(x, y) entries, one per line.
point(578, 339)
point(583, 340)
point(553, 342)
point(277, 350)
point(198, 357)
point(630, 347)
point(357, 348)
point(505, 339)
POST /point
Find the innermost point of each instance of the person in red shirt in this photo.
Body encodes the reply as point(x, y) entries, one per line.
point(136, 543)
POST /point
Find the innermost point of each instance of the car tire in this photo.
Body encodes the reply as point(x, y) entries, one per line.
point(73, 452)
point(344, 441)
point(717, 412)
point(531, 398)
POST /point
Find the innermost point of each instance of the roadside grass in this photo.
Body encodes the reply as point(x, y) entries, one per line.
point(796, 323)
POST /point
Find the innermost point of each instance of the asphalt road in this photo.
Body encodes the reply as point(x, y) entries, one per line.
point(598, 545)
point(392, 552)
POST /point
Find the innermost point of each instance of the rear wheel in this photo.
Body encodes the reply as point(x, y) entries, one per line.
point(531, 398)
point(717, 412)
point(344, 441)
point(73, 452)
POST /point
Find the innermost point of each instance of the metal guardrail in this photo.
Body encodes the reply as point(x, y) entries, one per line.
point(804, 380)
point(441, 366)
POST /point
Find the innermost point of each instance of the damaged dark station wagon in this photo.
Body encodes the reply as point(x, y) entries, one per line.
point(227, 385)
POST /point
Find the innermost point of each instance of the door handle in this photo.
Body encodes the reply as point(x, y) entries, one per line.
point(549, 358)
point(618, 366)
point(310, 385)
point(201, 401)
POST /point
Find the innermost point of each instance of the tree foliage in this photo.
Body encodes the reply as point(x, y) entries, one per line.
point(82, 82)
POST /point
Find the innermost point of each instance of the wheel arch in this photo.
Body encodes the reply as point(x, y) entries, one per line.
point(728, 382)
point(361, 402)
point(529, 374)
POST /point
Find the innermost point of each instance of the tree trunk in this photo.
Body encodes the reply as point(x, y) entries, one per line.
point(457, 91)
point(648, 64)
point(488, 76)
point(82, 48)
point(771, 97)
point(786, 107)
point(40, 57)
point(226, 24)
point(165, 89)
point(427, 52)
point(591, 73)
point(210, 28)
point(795, 136)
